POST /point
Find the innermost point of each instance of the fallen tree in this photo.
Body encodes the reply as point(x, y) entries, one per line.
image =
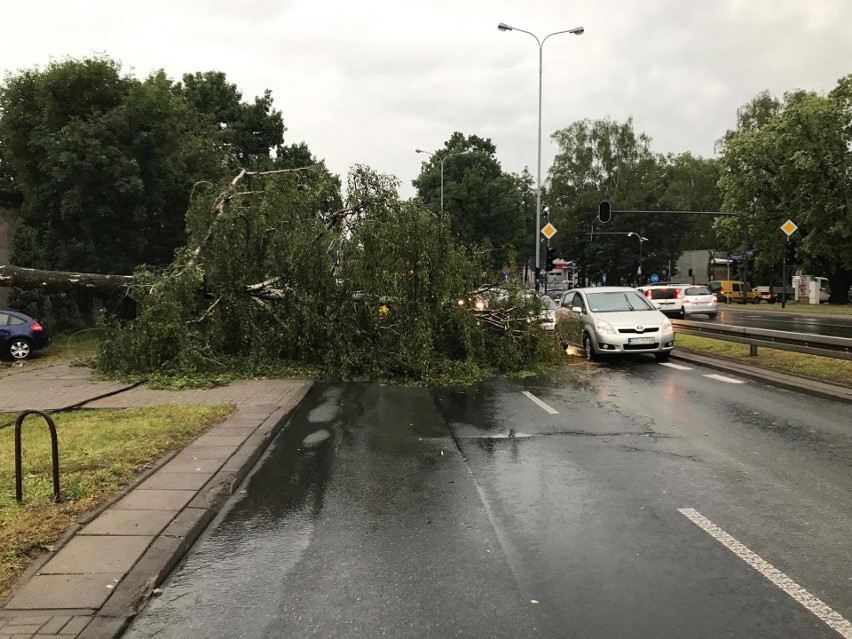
point(62, 281)
point(278, 271)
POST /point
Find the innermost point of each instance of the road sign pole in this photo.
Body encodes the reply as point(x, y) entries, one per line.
point(784, 275)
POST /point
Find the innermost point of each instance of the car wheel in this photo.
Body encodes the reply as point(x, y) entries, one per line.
point(662, 357)
point(682, 314)
point(19, 348)
point(588, 348)
point(756, 300)
point(712, 315)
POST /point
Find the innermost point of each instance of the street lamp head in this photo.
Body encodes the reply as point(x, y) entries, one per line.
point(577, 31)
point(504, 27)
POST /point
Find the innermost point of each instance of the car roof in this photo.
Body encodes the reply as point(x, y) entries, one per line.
point(603, 289)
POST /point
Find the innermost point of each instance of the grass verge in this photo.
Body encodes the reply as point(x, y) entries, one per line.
point(792, 308)
point(100, 452)
point(828, 369)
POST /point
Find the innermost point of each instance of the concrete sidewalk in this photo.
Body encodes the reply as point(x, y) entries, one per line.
point(103, 569)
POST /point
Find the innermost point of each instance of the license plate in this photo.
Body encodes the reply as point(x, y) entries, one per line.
point(640, 340)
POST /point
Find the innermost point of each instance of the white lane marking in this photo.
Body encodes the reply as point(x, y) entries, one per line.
point(535, 399)
point(676, 366)
point(722, 378)
point(826, 614)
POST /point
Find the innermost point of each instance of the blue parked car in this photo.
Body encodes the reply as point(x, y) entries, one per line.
point(20, 335)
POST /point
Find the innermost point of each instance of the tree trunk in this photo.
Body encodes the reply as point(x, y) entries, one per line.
point(840, 281)
point(60, 281)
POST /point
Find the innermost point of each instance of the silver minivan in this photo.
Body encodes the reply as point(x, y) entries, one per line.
point(613, 320)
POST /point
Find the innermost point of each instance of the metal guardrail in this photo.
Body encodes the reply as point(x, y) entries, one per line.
point(825, 345)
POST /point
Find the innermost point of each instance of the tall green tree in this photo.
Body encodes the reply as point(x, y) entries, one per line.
point(484, 203)
point(247, 131)
point(607, 160)
point(105, 164)
point(798, 163)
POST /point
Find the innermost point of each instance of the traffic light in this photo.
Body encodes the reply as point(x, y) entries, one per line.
point(604, 212)
point(790, 252)
point(551, 255)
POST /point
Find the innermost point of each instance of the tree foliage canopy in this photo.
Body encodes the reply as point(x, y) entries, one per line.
point(484, 203)
point(796, 162)
point(606, 160)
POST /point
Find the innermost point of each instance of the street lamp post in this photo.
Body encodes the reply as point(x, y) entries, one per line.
point(576, 31)
point(448, 155)
point(641, 240)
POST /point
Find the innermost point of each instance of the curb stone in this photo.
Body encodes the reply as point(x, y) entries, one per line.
point(789, 381)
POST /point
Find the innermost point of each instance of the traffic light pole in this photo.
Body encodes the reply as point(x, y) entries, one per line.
point(606, 211)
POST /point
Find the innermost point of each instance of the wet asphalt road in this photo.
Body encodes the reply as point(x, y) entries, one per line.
point(837, 326)
point(406, 512)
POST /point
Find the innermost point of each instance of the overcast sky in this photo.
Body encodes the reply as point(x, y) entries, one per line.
point(368, 82)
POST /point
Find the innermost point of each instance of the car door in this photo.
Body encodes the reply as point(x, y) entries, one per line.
point(577, 321)
point(736, 291)
point(566, 319)
point(4, 328)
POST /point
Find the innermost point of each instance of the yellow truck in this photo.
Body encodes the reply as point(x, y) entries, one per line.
point(732, 291)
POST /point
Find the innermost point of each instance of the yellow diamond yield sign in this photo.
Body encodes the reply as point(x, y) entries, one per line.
point(789, 227)
point(548, 231)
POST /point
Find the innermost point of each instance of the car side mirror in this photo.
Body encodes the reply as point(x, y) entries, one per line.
point(577, 309)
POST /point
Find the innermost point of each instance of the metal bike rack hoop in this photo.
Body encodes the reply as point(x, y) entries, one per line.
point(54, 445)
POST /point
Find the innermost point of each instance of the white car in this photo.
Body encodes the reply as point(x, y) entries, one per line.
point(696, 300)
point(665, 297)
point(613, 320)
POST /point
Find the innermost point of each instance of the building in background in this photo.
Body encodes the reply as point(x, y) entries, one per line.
point(701, 266)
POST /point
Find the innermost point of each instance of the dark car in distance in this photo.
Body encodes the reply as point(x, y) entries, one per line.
point(20, 335)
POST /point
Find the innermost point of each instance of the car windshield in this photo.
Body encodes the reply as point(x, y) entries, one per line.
point(663, 293)
point(698, 290)
point(549, 304)
point(615, 301)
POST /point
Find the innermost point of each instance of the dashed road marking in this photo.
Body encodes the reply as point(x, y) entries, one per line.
point(535, 399)
point(728, 380)
point(676, 366)
point(825, 613)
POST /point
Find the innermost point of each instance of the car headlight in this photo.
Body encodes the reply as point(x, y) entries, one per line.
point(667, 324)
point(604, 328)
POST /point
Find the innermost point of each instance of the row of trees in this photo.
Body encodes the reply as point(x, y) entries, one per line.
point(786, 158)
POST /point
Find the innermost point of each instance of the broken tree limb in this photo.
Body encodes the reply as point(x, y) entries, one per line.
point(220, 206)
point(59, 281)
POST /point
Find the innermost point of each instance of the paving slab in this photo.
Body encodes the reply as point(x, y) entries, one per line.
point(172, 500)
point(186, 464)
point(89, 554)
point(205, 452)
point(175, 481)
point(129, 522)
point(65, 591)
point(217, 440)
